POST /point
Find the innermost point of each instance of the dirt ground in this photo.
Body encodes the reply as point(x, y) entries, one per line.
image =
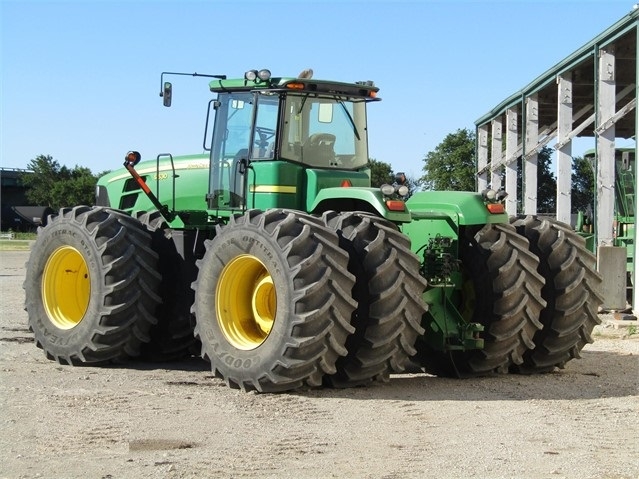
point(174, 420)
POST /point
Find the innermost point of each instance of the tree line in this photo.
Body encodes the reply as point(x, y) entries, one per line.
point(54, 185)
point(450, 166)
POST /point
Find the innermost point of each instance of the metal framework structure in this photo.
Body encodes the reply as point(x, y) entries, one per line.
point(591, 93)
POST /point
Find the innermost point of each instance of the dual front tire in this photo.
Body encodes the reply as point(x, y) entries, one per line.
point(91, 286)
point(273, 296)
point(285, 299)
point(273, 301)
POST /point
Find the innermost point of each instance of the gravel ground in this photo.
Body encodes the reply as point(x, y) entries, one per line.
point(174, 420)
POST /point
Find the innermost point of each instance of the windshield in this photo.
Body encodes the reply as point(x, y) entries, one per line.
point(324, 132)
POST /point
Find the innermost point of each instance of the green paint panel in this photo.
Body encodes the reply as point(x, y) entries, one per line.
point(318, 180)
point(463, 207)
point(191, 184)
point(275, 184)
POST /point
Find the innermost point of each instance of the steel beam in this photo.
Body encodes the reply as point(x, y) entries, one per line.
point(496, 131)
point(564, 154)
point(511, 163)
point(531, 140)
point(605, 147)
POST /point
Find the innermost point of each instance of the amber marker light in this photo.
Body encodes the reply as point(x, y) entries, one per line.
point(346, 183)
point(495, 208)
point(295, 86)
point(395, 205)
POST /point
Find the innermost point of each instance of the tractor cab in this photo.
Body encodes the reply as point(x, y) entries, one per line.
point(278, 141)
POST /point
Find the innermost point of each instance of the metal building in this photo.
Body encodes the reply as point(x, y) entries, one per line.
point(591, 93)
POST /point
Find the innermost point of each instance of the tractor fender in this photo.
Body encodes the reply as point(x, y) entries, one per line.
point(370, 200)
point(462, 207)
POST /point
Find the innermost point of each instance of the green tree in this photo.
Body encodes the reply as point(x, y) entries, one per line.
point(451, 166)
point(53, 185)
point(583, 185)
point(381, 173)
point(546, 183)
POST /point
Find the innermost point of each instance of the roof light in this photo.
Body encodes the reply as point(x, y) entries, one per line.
point(295, 86)
point(402, 190)
point(346, 183)
point(387, 190)
point(307, 74)
point(264, 74)
point(250, 75)
point(489, 195)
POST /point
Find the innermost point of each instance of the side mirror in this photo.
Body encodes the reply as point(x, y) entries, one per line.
point(167, 93)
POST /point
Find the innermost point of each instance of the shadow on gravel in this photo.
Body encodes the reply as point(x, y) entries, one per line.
point(187, 364)
point(193, 363)
point(599, 374)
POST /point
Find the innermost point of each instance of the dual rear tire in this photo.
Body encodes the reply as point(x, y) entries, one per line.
point(571, 291)
point(534, 287)
point(501, 291)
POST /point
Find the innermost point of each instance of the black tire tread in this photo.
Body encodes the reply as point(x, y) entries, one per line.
point(572, 293)
point(322, 301)
point(129, 285)
point(507, 302)
point(389, 293)
point(516, 288)
point(172, 337)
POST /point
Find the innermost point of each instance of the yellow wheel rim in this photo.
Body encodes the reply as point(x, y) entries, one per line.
point(246, 302)
point(66, 287)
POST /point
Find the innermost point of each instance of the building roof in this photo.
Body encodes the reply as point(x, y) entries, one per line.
point(622, 36)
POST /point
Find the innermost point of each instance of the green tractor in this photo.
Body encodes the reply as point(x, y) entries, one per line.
point(284, 268)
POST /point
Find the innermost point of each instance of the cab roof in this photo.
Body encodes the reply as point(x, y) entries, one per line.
point(365, 90)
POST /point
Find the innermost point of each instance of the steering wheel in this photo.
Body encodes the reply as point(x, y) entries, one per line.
point(265, 134)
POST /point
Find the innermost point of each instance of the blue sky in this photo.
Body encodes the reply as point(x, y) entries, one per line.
point(80, 80)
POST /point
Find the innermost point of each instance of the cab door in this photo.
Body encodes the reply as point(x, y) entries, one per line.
point(231, 147)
